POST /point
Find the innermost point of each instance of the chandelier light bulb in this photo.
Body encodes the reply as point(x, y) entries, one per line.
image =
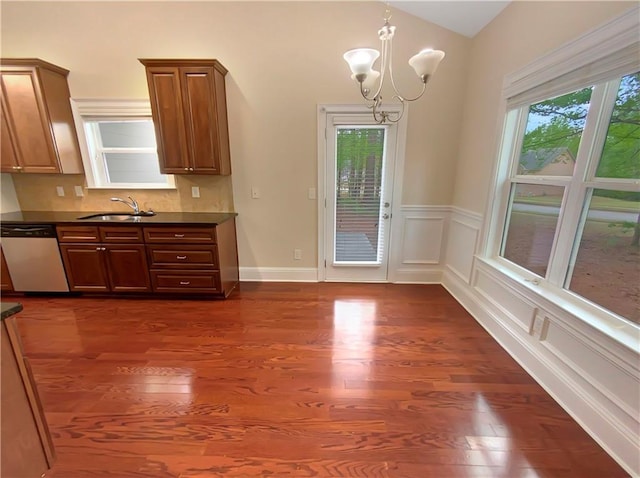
point(361, 60)
point(426, 62)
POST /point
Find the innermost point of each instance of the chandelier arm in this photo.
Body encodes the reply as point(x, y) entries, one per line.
point(424, 87)
point(383, 116)
point(383, 68)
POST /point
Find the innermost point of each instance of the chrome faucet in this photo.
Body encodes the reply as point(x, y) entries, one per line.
point(133, 204)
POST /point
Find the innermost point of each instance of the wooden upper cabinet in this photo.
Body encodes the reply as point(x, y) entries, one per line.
point(189, 107)
point(38, 132)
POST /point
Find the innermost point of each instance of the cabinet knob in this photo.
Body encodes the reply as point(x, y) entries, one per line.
point(186, 169)
point(181, 257)
point(17, 168)
point(190, 169)
point(97, 248)
point(185, 282)
point(178, 235)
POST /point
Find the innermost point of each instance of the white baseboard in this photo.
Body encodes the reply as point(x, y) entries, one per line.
point(278, 274)
point(429, 275)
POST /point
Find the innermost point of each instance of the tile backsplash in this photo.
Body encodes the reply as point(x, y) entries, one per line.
point(39, 192)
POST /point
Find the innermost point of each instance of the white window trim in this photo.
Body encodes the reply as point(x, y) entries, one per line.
point(87, 109)
point(618, 34)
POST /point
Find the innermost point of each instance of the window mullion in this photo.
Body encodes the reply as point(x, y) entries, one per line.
point(572, 214)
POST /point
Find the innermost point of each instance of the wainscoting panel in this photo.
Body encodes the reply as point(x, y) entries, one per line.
point(514, 308)
point(418, 240)
point(464, 228)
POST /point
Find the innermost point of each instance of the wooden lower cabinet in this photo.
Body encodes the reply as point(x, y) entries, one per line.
point(5, 279)
point(106, 267)
point(188, 260)
point(101, 266)
point(164, 259)
point(27, 448)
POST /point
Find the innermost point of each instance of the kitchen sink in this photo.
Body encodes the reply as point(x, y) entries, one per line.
point(117, 216)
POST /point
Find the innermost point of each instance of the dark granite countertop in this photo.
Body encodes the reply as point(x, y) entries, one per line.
point(71, 217)
point(10, 308)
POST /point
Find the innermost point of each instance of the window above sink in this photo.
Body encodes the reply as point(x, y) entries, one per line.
point(118, 145)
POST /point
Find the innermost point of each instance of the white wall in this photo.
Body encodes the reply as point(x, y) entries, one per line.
point(284, 58)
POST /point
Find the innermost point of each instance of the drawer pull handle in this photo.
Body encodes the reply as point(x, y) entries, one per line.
point(185, 282)
point(181, 257)
point(178, 235)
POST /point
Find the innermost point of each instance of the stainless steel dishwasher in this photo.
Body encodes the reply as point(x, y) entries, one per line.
point(33, 258)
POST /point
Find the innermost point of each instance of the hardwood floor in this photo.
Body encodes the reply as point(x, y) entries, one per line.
point(323, 380)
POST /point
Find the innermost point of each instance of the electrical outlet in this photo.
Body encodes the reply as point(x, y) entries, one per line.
point(297, 254)
point(195, 192)
point(60, 191)
point(79, 191)
point(255, 192)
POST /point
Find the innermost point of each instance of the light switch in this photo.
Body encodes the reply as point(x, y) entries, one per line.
point(79, 191)
point(255, 192)
point(60, 191)
point(195, 192)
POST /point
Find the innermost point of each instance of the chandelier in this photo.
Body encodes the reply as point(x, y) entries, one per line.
point(361, 62)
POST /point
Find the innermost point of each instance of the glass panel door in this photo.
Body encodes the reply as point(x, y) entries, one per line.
point(359, 200)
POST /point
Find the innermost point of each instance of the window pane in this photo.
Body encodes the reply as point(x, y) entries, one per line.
point(133, 168)
point(621, 153)
point(532, 226)
point(127, 134)
point(358, 193)
point(552, 136)
point(607, 265)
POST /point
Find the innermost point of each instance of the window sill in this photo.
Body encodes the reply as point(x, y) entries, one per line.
point(621, 330)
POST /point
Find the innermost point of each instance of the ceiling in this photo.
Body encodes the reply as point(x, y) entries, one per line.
point(464, 17)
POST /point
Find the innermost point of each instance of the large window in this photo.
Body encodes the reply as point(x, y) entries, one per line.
point(119, 145)
point(573, 214)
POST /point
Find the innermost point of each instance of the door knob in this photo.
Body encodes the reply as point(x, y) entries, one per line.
point(386, 204)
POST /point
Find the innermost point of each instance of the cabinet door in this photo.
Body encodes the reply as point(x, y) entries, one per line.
point(86, 267)
point(168, 118)
point(201, 121)
point(27, 116)
point(5, 279)
point(127, 266)
point(8, 158)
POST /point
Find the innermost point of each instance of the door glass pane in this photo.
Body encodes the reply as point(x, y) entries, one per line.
point(532, 226)
point(552, 136)
point(607, 265)
point(621, 153)
point(359, 163)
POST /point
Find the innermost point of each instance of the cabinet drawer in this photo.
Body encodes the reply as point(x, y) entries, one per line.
point(78, 234)
point(185, 281)
point(183, 256)
point(177, 235)
point(120, 234)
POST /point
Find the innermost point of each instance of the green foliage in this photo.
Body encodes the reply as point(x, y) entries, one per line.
point(621, 153)
point(359, 164)
point(558, 122)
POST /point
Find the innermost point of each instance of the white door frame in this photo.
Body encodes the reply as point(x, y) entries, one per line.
point(398, 179)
